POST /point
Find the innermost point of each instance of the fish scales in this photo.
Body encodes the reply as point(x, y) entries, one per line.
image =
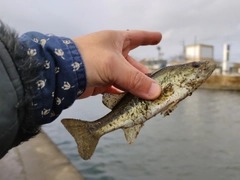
point(130, 112)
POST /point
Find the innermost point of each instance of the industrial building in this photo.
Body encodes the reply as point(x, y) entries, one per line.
point(199, 52)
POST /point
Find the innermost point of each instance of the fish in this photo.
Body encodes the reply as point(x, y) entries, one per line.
point(129, 112)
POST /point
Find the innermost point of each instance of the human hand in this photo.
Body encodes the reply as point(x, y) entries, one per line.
point(109, 68)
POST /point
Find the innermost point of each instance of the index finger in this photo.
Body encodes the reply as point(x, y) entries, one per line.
point(135, 38)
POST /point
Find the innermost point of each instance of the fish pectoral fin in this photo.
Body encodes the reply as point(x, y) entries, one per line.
point(131, 133)
point(85, 138)
point(110, 100)
point(170, 108)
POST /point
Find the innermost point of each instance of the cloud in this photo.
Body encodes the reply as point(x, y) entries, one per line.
point(211, 21)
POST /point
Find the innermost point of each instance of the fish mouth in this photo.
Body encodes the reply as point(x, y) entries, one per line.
point(205, 68)
point(210, 67)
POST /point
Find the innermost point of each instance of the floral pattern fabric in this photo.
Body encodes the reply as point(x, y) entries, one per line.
point(63, 77)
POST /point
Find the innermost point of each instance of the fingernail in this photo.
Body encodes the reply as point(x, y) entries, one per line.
point(154, 91)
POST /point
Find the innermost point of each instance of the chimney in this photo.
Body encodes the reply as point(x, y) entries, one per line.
point(225, 65)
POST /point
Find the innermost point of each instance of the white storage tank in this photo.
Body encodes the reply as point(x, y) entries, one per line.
point(225, 64)
point(199, 52)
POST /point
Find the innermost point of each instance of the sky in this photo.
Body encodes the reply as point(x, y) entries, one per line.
point(182, 22)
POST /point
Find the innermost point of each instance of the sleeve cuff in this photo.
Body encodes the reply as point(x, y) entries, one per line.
point(62, 79)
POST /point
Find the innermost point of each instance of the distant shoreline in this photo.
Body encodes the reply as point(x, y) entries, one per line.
point(222, 82)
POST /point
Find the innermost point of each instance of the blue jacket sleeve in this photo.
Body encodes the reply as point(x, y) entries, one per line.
point(62, 79)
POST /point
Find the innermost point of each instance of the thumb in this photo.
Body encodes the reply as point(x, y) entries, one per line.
point(137, 83)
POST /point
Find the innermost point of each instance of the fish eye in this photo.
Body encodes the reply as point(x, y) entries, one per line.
point(195, 64)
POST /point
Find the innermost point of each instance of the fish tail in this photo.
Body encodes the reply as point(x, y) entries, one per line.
point(84, 134)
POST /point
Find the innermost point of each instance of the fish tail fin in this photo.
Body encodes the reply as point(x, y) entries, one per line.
point(84, 135)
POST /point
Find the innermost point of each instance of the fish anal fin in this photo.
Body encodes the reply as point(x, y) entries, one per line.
point(131, 133)
point(110, 100)
point(85, 138)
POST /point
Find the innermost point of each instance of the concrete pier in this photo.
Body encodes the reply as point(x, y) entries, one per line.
point(222, 82)
point(37, 159)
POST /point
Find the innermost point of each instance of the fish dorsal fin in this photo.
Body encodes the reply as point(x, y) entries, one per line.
point(131, 133)
point(110, 100)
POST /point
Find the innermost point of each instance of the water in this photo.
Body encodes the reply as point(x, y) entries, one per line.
point(199, 140)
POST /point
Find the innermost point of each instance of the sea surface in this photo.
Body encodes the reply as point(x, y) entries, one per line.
point(199, 140)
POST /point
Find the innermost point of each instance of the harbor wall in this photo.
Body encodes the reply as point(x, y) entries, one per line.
point(223, 82)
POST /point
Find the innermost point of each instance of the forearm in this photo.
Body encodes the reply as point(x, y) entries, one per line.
point(46, 75)
point(62, 77)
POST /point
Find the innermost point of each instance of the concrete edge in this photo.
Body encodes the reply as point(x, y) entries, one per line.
point(38, 159)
